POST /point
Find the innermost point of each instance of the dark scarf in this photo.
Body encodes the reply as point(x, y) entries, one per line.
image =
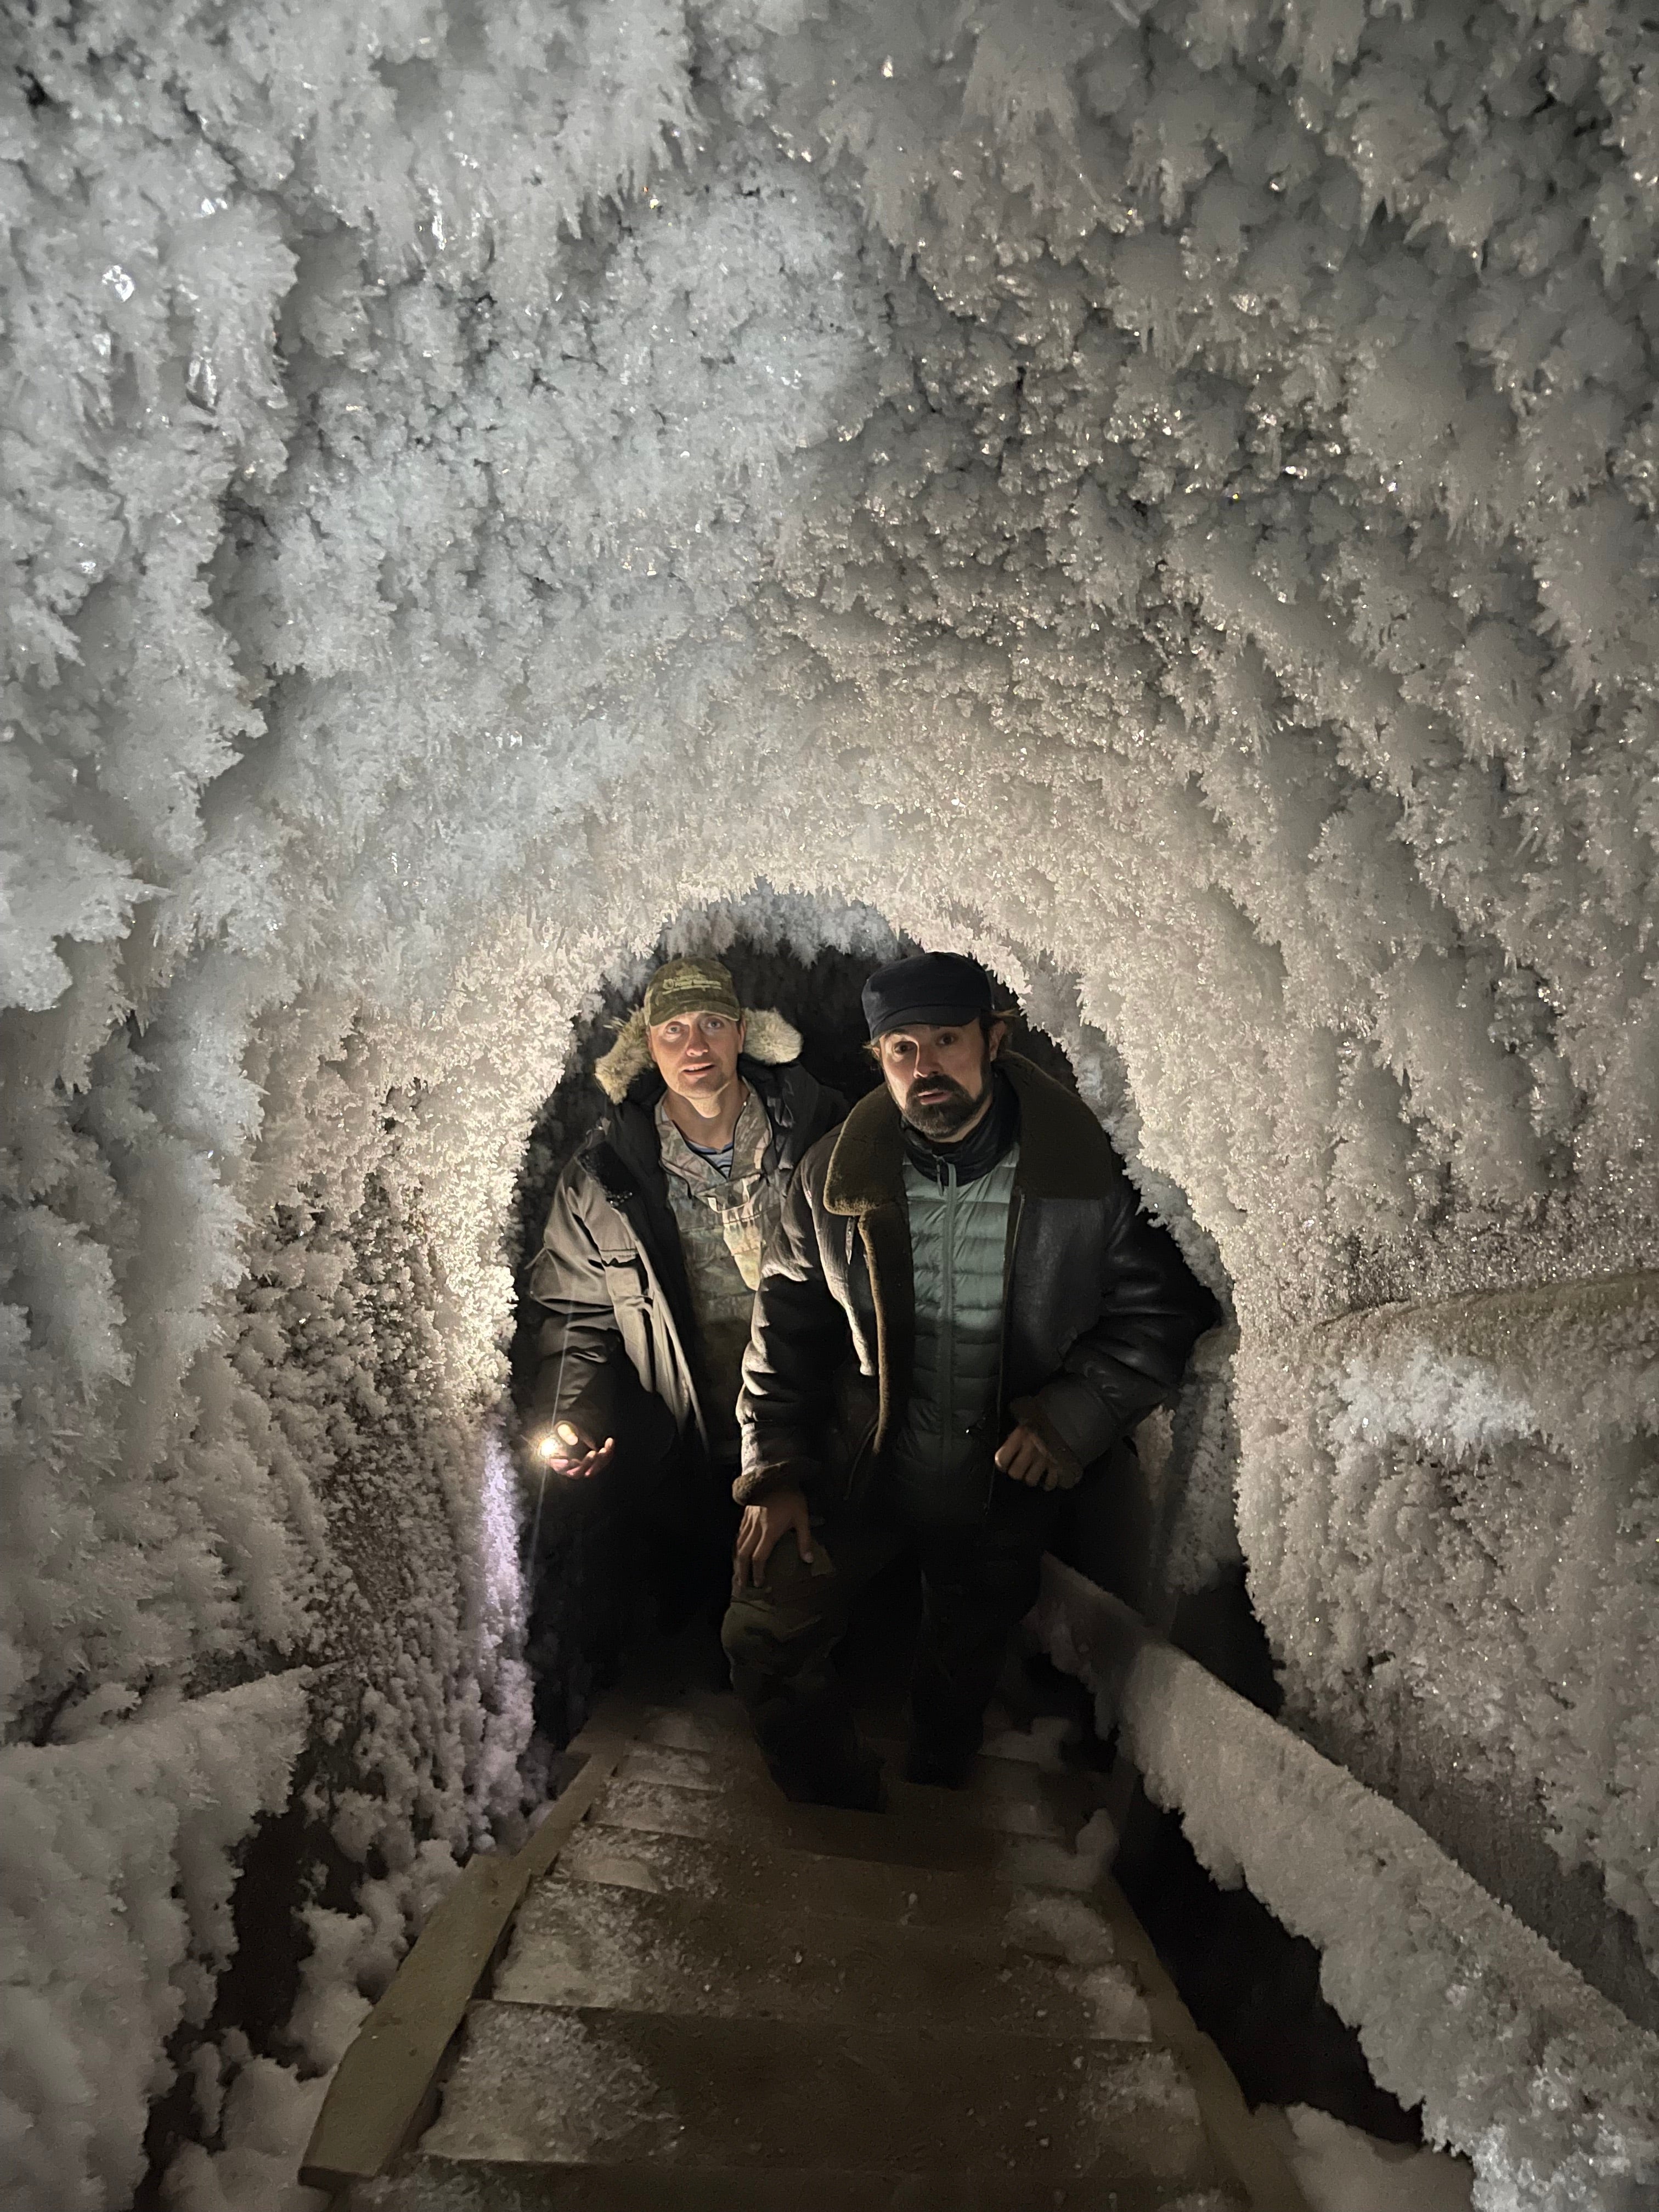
point(978, 1153)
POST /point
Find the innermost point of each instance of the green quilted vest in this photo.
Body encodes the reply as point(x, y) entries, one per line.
point(940, 1458)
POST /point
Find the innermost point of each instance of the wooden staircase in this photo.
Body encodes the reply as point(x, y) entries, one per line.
point(706, 1999)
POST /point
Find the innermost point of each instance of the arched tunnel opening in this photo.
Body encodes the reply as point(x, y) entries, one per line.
point(1159, 498)
point(1252, 1986)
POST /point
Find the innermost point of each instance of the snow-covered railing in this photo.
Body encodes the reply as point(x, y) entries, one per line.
point(1459, 2007)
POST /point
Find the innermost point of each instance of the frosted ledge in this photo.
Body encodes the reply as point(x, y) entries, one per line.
point(1516, 2060)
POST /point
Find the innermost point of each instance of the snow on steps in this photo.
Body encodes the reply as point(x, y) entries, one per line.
point(938, 2007)
point(605, 2087)
point(581, 1943)
point(1515, 2059)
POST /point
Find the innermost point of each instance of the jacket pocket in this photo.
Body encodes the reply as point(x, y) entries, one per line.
point(624, 1279)
point(631, 1303)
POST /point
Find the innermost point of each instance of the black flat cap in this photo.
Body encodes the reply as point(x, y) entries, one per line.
point(936, 987)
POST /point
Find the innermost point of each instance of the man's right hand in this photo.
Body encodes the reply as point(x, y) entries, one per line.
point(567, 1450)
point(763, 1524)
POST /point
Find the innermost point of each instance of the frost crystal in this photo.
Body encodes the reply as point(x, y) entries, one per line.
point(1161, 495)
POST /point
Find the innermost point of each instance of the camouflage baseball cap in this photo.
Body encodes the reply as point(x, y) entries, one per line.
point(690, 986)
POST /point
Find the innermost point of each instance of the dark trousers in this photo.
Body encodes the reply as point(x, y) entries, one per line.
point(977, 1583)
point(653, 1532)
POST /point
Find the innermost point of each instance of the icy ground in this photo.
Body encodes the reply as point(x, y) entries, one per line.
point(1162, 496)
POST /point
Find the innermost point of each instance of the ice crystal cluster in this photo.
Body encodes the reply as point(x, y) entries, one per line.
point(1463, 2011)
point(1160, 495)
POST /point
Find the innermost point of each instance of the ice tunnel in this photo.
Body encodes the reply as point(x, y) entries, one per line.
point(1158, 496)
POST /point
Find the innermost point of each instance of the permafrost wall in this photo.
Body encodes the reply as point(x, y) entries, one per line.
point(1449, 1513)
point(1162, 497)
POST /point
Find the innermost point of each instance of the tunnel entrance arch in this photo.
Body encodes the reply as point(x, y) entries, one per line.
point(1312, 1494)
point(808, 959)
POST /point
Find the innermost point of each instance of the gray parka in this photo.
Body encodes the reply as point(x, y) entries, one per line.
point(1100, 1310)
point(610, 1276)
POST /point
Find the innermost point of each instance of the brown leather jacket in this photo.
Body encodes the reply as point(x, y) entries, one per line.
point(1100, 1310)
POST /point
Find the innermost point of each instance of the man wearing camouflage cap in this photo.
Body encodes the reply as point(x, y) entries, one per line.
point(649, 1261)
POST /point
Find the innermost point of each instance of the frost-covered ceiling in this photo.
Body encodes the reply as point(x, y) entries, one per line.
point(1162, 495)
point(1171, 487)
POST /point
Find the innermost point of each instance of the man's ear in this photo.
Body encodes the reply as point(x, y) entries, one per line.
point(995, 1038)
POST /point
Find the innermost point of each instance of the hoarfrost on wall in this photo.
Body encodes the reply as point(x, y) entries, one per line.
point(1161, 496)
point(118, 1881)
point(1450, 1512)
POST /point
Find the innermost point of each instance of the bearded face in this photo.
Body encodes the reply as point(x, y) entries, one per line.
point(942, 1108)
point(940, 1077)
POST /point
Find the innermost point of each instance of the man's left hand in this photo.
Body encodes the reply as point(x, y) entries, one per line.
point(1026, 1458)
point(569, 1451)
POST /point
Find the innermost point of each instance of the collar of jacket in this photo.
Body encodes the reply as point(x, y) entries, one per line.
point(1063, 1151)
point(623, 1151)
point(978, 1152)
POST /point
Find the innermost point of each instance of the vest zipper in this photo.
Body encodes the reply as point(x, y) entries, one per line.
point(1016, 1214)
point(948, 1326)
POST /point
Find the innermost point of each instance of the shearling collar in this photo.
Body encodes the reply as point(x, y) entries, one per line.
point(1063, 1151)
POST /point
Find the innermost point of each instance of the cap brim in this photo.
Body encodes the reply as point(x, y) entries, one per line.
point(675, 1007)
point(933, 1017)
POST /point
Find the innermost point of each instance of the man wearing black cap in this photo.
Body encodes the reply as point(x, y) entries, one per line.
point(962, 1310)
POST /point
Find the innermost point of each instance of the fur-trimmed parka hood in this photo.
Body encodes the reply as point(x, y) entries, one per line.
point(768, 1039)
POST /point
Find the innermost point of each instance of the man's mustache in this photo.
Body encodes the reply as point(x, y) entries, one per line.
point(939, 1105)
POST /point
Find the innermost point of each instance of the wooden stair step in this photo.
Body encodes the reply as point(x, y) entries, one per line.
point(584, 2088)
point(1018, 1805)
point(776, 1879)
point(777, 1876)
point(724, 1816)
point(441, 2184)
point(720, 1726)
point(584, 1944)
point(900, 1840)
